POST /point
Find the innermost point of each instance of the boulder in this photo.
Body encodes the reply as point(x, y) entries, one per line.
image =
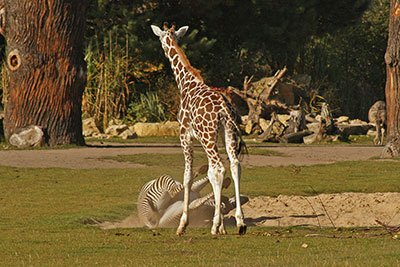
point(116, 130)
point(115, 122)
point(342, 119)
point(249, 127)
point(310, 139)
point(284, 118)
point(128, 134)
point(264, 124)
point(156, 129)
point(27, 137)
point(314, 127)
point(89, 127)
point(357, 121)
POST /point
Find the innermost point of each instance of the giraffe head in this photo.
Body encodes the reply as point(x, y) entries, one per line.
point(169, 34)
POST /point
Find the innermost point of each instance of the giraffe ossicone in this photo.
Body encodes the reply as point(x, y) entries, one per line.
point(204, 114)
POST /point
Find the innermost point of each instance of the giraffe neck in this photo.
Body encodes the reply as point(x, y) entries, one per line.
point(184, 72)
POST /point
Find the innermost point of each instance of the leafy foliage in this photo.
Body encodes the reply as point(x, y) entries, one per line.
point(148, 109)
point(229, 39)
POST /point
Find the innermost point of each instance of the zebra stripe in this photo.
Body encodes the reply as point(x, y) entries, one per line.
point(155, 196)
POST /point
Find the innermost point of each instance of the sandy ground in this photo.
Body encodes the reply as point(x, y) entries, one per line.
point(338, 210)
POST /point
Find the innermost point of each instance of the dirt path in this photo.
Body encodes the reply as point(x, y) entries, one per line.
point(91, 157)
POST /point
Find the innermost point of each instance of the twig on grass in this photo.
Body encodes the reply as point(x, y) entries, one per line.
point(389, 228)
point(323, 206)
point(331, 236)
point(315, 213)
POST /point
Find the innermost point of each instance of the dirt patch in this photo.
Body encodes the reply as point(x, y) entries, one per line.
point(332, 210)
point(325, 210)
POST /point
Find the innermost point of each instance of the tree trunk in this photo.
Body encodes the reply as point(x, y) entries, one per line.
point(392, 89)
point(46, 67)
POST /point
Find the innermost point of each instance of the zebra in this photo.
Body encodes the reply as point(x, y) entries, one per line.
point(160, 202)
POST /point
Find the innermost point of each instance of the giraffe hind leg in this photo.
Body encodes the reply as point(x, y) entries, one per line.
point(231, 144)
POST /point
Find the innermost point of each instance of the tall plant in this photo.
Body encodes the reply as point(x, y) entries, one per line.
point(107, 90)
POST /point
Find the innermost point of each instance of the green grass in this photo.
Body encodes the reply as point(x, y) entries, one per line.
point(43, 214)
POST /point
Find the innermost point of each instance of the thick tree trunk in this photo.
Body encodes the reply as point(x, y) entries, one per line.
point(392, 89)
point(46, 67)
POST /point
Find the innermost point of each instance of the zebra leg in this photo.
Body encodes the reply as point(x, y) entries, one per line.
point(200, 201)
point(187, 145)
point(199, 185)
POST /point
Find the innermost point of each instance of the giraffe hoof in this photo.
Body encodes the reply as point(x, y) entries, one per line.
point(180, 232)
point(242, 229)
point(222, 231)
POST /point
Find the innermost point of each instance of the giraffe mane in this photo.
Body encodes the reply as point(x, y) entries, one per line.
point(185, 61)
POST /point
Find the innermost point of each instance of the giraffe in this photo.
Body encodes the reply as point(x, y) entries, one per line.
point(203, 113)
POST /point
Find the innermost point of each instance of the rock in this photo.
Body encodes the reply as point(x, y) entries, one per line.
point(283, 118)
point(249, 127)
point(115, 122)
point(357, 121)
point(169, 128)
point(310, 139)
point(156, 129)
point(27, 137)
point(342, 119)
point(128, 134)
point(372, 132)
point(89, 127)
point(313, 127)
point(264, 124)
point(173, 124)
point(116, 130)
point(101, 136)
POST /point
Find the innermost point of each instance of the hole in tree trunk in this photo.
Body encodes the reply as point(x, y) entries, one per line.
point(14, 60)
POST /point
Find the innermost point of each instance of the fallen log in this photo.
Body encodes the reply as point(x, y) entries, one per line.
point(296, 137)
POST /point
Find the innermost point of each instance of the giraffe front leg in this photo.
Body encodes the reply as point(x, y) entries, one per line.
point(187, 179)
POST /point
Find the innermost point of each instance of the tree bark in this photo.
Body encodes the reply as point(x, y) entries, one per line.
point(392, 88)
point(46, 67)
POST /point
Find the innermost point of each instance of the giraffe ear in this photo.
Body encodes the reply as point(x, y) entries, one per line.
point(156, 30)
point(181, 32)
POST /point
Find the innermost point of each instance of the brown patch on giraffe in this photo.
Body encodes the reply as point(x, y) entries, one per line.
point(168, 42)
point(209, 107)
point(184, 59)
point(172, 53)
point(192, 85)
point(175, 61)
point(179, 66)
